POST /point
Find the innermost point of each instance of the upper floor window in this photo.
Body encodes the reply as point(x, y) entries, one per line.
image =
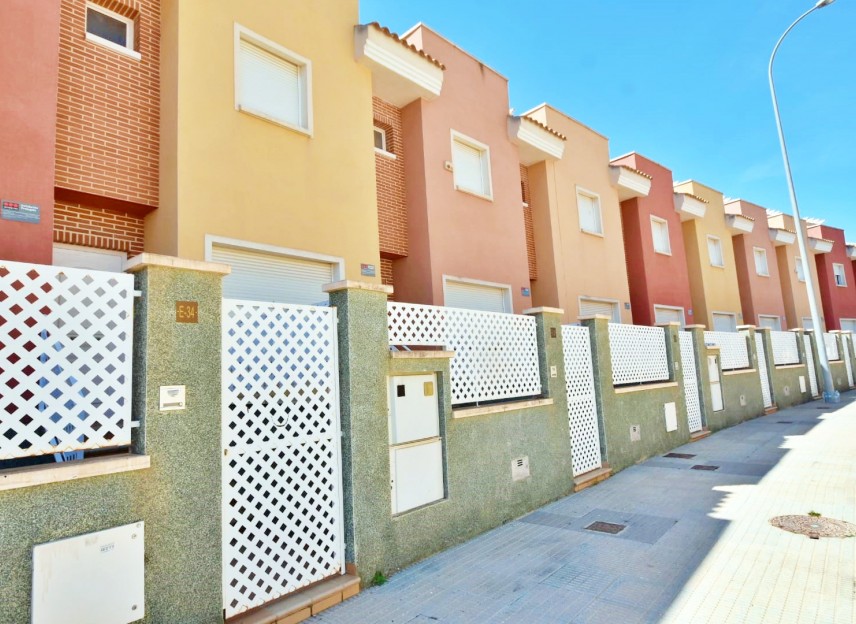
point(761, 266)
point(660, 232)
point(588, 205)
point(380, 139)
point(110, 29)
point(271, 82)
point(714, 250)
point(800, 272)
point(838, 270)
point(471, 166)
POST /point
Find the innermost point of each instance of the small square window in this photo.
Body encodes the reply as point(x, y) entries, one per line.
point(840, 279)
point(110, 29)
point(588, 205)
point(761, 266)
point(660, 232)
point(714, 250)
point(380, 139)
point(471, 166)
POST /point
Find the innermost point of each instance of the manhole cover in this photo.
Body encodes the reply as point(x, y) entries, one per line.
point(606, 527)
point(814, 527)
point(704, 467)
point(679, 455)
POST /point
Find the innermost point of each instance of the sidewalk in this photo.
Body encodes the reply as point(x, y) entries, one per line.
point(698, 546)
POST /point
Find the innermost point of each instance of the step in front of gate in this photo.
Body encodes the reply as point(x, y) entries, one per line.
point(303, 604)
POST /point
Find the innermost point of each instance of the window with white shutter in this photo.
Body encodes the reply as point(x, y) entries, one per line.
point(471, 166)
point(761, 266)
point(800, 272)
point(838, 270)
point(668, 314)
point(473, 295)
point(714, 250)
point(589, 209)
point(272, 82)
point(660, 232)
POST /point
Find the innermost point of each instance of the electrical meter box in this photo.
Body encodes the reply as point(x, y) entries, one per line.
point(413, 408)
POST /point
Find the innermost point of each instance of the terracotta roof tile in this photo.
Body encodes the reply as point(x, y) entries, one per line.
point(386, 31)
point(642, 173)
point(544, 127)
point(701, 199)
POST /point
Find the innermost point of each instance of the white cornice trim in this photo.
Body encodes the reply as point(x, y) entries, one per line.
point(535, 143)
point(782, 237)
point(740, 224)
point(630, 183)
point(689, 207)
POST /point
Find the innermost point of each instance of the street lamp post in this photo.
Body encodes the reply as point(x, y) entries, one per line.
point(830, 394)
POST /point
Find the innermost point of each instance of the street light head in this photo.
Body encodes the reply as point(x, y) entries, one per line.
point(823, 3)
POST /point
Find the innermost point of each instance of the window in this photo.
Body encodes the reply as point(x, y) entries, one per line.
point(589, 207)
point(660, 231)
point(110, 29)
point(714, 250)
point(800, 272)
point(471, 166)
point(380, 139)
point(838, 270)
point(761, 267)
point(272, 82)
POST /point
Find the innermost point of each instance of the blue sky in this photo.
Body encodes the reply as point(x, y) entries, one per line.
point(684, 83)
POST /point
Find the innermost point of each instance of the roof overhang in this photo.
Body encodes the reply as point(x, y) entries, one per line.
point(782, 237)
point(400, 73)
point(739, 224)
point(535, 142)
point(690, 206)
point(820, 245)
point(630, 182)
point(851, 251)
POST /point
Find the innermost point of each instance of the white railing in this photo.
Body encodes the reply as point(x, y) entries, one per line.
point(638, 354)
point(496, 355)
point(733, 348)
point(831, 347)
point(65, 359)
point(785, 349)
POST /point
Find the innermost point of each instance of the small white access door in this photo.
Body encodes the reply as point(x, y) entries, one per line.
point(591, 307)
point(715, 384)
point(766, 393)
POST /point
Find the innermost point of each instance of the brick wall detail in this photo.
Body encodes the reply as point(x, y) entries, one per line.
point(386, 274)
point(75, 224)
point(527, 219)
point(108, 106)
point(391, 206)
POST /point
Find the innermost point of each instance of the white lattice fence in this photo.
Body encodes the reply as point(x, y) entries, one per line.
point(582, 401)
point(733, 348)
point(785, 349)
point(831, 343)
point(65, 359)
point(691, 392)
point(638, 354)
point(496, 355)
point(282, 495)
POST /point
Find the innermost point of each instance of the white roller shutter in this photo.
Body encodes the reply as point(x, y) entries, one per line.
point(88, 258)
point(468, 168)
point(590, 307)
point(724, 322)
point(259, 276)
point(477, 297)
point(269, 84)
point(768, 320)
point(668, 315)
point(848, 325)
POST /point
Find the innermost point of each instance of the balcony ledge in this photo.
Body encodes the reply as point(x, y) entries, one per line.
point(535, 141)
point(690, 206)
point(782, 237)
point(740, 224)
point(630, 182)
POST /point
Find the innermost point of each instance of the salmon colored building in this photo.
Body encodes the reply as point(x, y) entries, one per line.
point(791, 278)
point(654, 245)
point(710, 255)
point(576, 223)
point(466, 243)
point(835, 274)
point(758, 276)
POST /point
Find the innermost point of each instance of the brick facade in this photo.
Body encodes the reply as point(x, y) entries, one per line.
point(116, 230)
point(527, 220)
point(391, 206)
point(386, 274)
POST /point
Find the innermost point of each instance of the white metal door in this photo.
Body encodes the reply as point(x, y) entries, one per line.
point(845, 342)
point(690, 382)
point(282, 492)
point(762, 371)
point(715, 385)
point(582, 402)
point(809, 362)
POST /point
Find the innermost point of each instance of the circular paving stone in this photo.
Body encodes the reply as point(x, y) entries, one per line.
point(814, 527)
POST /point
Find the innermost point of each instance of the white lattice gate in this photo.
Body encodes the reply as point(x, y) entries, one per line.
point(848, 365)
point(809, 363)
point(582, 401)
point(762, 371)
point(282, 493)
point(690, 382)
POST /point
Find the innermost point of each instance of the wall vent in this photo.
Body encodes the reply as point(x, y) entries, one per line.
point(520, 469)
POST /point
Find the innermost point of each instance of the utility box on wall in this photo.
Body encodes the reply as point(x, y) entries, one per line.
point(416, 448)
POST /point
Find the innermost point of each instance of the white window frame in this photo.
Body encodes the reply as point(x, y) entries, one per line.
point(711, 237)
point(616, 317)
point(755, 253)
point(509, 300)
point(304, 66)
point(223, 241)
point(384, 150)
point(675, 308)
point(128, 49)
point(487, 177)
point(777, 318)
point(843, 283)
point(596, 197)
point(668, 250)
point(799, 269)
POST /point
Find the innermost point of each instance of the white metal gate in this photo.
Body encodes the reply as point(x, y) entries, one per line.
point(582, 401)
point(845, 342)
point(762, 371)
point(690, 382)
point(809, 362)
point(282, 492)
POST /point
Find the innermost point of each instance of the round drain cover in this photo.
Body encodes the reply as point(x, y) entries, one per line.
point(814, 526)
